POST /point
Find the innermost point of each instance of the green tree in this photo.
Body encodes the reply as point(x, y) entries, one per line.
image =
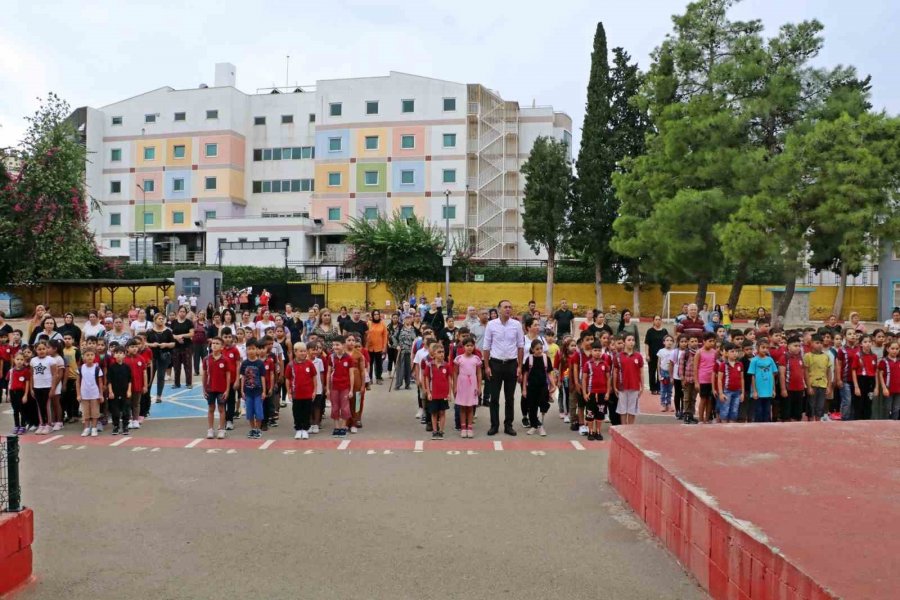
point(594, 205)
point(547, 201)
point(398, 252)
point(43, 209)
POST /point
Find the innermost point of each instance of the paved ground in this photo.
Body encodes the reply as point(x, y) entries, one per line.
point(458, 519)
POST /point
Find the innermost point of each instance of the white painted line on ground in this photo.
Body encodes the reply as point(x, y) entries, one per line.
point(266, 444)
point(176, 394)
point(420, 446)
point(193, 442)
point(177, 403)
point(576, 444)
point(498, 446)
point(120, 441)
point(49, 439)
point(343, 445)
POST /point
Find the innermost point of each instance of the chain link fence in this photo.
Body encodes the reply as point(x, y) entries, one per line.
point(10, 487)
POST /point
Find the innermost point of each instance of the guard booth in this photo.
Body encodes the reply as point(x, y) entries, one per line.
point(206, 285)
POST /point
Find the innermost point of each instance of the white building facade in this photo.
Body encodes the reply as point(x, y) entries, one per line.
point(215, 175)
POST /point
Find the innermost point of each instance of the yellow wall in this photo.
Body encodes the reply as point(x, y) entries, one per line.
point(78, 299)
point(863, 299)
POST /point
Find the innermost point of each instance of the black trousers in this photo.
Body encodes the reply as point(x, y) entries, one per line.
point(199, 354)
point(503, 375)
point(376, 365)
point(301, 410)
point(182, 359)
point(679, 395)
point(392, 358)
point(652, 365)
point(120, 407)
point(230, 405)
point(862, 404)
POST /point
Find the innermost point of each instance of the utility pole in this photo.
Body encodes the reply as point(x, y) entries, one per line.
point(448, 257)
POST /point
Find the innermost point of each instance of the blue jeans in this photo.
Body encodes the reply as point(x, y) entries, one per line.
point(665, 389)
point(763, 410)
point(728, 409)
point(253, 405)
point(846, 401)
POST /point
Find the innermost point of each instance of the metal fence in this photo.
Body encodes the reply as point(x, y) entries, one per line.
point(10, 485)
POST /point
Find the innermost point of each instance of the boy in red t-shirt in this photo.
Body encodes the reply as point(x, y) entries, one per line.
point(731, 385)
point(438, 383)
point(631, 365)
point(792, 374)
point(596, 381)
point(341, 379)
point(863, 371)
point(233, 356)
point(146, 355)
point(216, 385)
point(270, 402)
point(138, 365)
point(300, 377)
point(19, 383)
point(843, 366)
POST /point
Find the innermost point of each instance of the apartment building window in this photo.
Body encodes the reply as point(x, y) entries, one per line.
point(335, 109)
point(115, 243)
point(117, 120)
point(370, 213)
point(259, 120)
point(178, 151)
point(306, 152)
point(180, 116)
point(334, 144)
point(449, 175)
point(408, 142)
point(312, 117)
point(448, 212)
point(178, 217)
point(115, 155)
point(294, 153)
point(449, 140)
point(212, 150)
point(283, 185)
point(407, 212)
point(212, 114)
point(210, 183)
point(115, 219)
point(408, 106)
point(449, 104)
point(372, 107)
point(148, 185)
point(178, 185)
point(149, 118)
point(209, 215)
point(371, 177)
point(287, 119)
point(115, 187)
point(149, 153)
point(148, 218)
point(334, 179)
point(334, 214)
point(371, 142)
point(407, 177)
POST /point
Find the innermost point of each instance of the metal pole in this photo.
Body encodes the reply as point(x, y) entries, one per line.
point(447, 244)
point(144, 220)
point(12, 474)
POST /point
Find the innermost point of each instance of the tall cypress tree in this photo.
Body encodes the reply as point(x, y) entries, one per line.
point(594, 204)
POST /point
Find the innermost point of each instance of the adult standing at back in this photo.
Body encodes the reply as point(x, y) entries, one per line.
point(564, 318)
point(504, 343)
point(692, 325)
point(613, 318)
point(264, 298)
point(356, 325)
point(654, 341)
point(183, 333)
point(376, 340)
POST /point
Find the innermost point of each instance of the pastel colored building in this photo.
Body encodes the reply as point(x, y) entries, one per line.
point(216, 175)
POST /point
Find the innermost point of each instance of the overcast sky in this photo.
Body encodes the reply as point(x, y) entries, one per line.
point(95, 52)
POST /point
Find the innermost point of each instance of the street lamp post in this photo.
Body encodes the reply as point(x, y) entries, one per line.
point(144, 219)
point(448, 258)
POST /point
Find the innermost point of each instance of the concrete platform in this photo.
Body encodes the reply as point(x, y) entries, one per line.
point(802, 510)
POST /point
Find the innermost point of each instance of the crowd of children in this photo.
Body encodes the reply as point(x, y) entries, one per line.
point(734, 375)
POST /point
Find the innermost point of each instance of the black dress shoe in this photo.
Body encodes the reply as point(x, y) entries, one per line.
point(492, 431)
point(509, 431)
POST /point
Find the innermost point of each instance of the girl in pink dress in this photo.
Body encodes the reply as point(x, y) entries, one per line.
point(468, 386)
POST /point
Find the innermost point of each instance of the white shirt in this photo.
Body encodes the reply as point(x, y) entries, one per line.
point(503, 340)
point(476, 329)
point(93, 330)
point(42, 372)
point(193, 301)
point(677, 353)
point(320, 368)
point(665, 356)
point(421, 355)
point(60, 363)
point(182, 299)
point(89, 388)
point(261, 327)
point(141, 326)
point(893, 328)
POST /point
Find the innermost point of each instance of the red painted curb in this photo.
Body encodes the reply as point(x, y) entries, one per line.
point(16, 536)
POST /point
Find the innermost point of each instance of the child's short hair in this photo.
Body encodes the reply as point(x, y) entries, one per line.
point(763, 341)
point(300, 346)
point(226, 331)
point(747, 344)
point(817, 337)
point(728, 346)
point(88, 351)
point(119, 349)
point(877, 331)
point(709, 336)
point(585, 334)
point(91, 339)
point(339, 339)
point(749, 330)
point(794, 339)
point(596, 346)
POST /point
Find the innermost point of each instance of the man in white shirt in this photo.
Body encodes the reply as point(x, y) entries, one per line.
point(193, 302)
point(181, 299)
point(503, 347)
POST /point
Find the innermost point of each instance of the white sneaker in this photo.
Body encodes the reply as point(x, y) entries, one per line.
point(314, 429)
point(33, 428)
point(562, 415)
point(86, 432)
point(100, 427)
point(353, 430)
point(283, 404)
point(542, 431)
point(583, 430)
point(531, 431)
point(210, 434)
point(298, 435)
point(137, 425)
point(419, 413)
point(221, 435)
point(95, 432)
point(228, 426)
point(567, 419)
point(57, 426)
point(305, 435)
